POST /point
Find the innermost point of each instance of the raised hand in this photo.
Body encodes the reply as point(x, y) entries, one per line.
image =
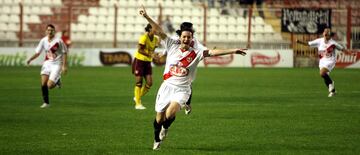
point(142, 11)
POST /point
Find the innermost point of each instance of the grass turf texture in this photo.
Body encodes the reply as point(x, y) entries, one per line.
point(235, 111)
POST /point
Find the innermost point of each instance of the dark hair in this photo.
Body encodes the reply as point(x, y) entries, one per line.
point(50, 25)
point(178, 32)
point(332, 34)
point(185, 26)
point(148, 27)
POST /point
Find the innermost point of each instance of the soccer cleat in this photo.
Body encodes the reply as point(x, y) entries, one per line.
point(45, 105)
point(163, 133)
point(331, 87)
point(140, 107)
point(331, 94)
point(187, 109)
point(156, 145)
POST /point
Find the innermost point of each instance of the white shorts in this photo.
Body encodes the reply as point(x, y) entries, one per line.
point(168, 93)
point(53, 70)
point(328, 64)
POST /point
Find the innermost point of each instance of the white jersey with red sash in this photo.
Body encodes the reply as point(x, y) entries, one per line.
point(180, 64)
point(54, 50)
point(194, 44)
point(326, 50)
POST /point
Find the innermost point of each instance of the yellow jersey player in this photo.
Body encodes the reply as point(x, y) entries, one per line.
point(141, 66)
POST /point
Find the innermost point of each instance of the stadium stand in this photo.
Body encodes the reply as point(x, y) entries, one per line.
point(92, 22)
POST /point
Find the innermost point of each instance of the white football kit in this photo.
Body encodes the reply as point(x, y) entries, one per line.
point(179, 71)
point(326, 52)
point(54, 51)
point(194, 44)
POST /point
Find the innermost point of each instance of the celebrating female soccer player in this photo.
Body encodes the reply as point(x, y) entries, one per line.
point(194, 44)
point(181, 62)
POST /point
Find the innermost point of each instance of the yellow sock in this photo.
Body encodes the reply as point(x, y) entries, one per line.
point(145, 88)
point(137, 93)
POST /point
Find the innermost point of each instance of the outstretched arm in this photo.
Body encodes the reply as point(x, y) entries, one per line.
point(32, 58)
point(217, 52)
point(64, 65)
point(302, 42)
point(65, 51)
point(159, 31)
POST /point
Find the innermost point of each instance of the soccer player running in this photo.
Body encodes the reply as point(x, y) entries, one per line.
point(326, 49)
point(141, 66)
point(55, 62)
point(181, 62)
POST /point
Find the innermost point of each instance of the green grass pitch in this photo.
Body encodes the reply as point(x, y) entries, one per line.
point(235, 111)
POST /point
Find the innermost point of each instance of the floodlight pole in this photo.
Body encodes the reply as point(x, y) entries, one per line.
point(115, 25)
point(205, 24)
point(21, 32)
point(348, 28)
point(249, 27)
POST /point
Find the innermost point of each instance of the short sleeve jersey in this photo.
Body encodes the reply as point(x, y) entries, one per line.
point(150, 46)
point(326, 51)
point(54, 50)
point(180, 64)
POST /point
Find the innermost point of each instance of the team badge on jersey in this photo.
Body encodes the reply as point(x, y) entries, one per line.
point(189, 59)
point(178, 70)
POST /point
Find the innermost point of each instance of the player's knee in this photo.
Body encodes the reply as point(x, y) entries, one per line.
point(323, 74)
point(160, 118)
point(172, 109)
point(149, 84)
point(170, 114)
point(50, 85)
point(138, 84)
point(170, 117)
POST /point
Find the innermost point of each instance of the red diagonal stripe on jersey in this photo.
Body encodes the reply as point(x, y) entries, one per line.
point(330, 49)
point(184, 62)
point(52, 50)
